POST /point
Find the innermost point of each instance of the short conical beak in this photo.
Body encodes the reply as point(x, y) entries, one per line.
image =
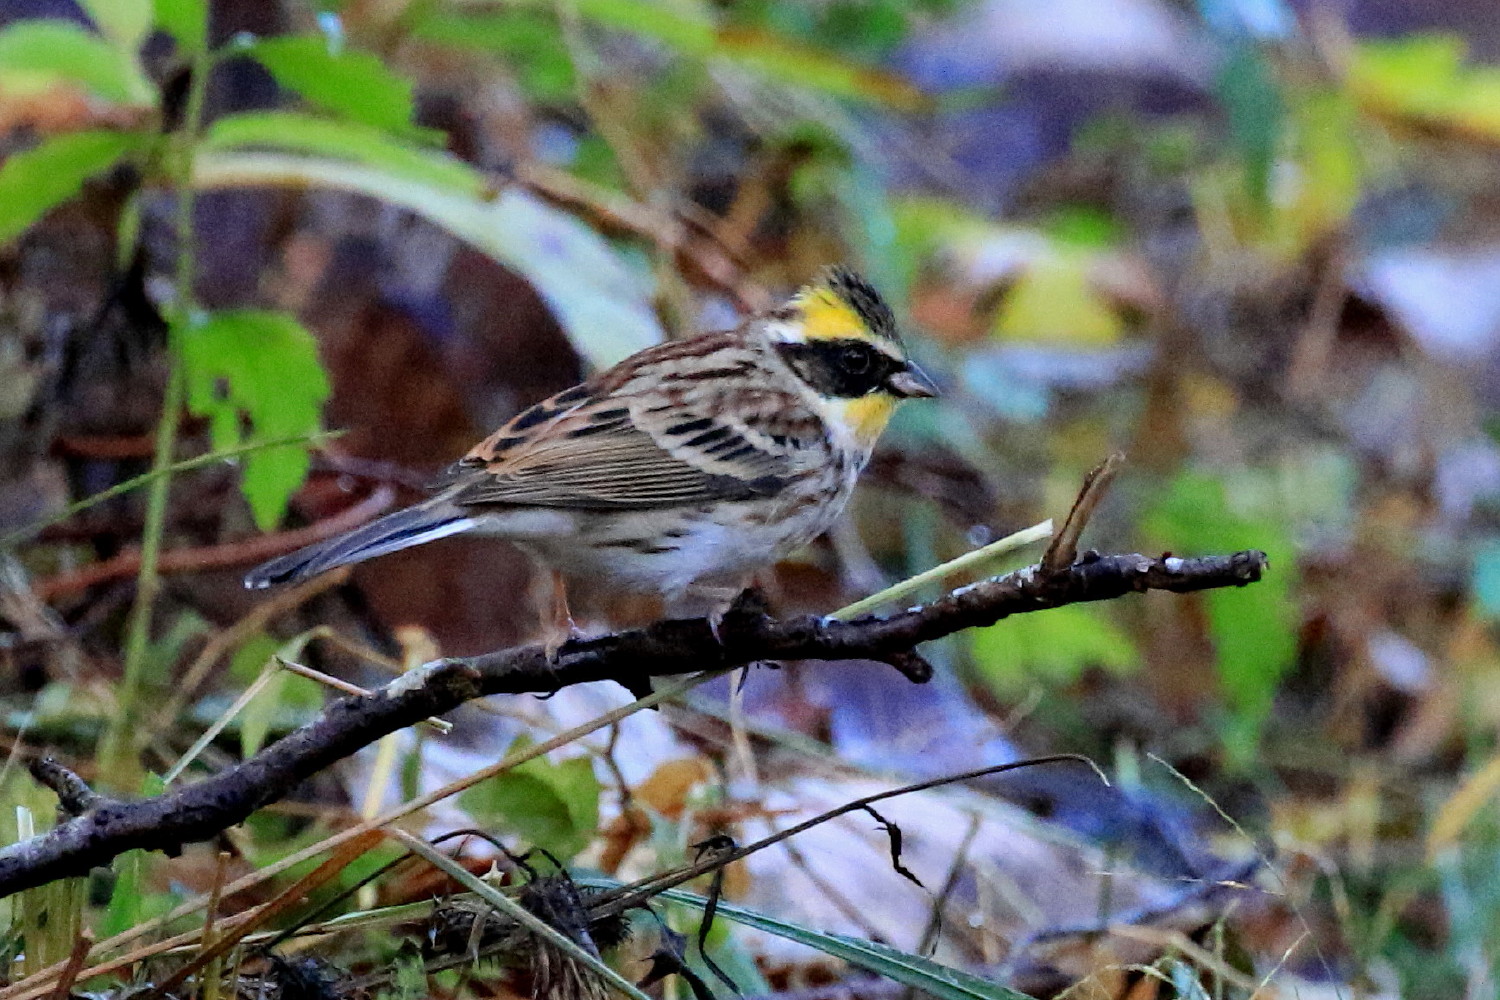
point(911, 382)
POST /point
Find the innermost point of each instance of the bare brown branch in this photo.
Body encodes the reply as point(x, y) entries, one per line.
point(198, 811)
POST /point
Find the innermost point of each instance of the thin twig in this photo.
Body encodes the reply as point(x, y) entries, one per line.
point(147, 478)
point(623, 898)
point(238, 553)
point(1063, 552)
point(338, 684)
point(74, 796)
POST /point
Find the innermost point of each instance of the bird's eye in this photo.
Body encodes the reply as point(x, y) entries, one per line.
point(855, 360)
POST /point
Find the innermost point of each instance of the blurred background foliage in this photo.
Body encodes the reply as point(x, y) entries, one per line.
point(1254, 244)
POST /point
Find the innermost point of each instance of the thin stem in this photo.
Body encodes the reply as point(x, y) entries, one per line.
point(965, 562)
point(146, 478)
point(119, 764)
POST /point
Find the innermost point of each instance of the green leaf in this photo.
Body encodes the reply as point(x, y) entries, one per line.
point(778, 56)
point(530, 41)
point(256, 718)
point(123, 22)
point(1253, 628)
point(39, 54)
point(554, 806)
point(35, 181)
point(261, 368)
point(602, 304)
point(186, 21)
point(922, 974)
point(1254, 106)
point(1424, 77)
point(295, 132)
point(1056, 645)
point(352, 84)
point(132, 900)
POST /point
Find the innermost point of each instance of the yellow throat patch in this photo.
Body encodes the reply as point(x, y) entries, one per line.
point(866, 416)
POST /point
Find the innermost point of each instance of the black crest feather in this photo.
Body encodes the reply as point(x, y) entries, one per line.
point(863, 299)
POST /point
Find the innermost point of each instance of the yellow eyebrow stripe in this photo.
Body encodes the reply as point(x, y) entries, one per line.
point(825, 316)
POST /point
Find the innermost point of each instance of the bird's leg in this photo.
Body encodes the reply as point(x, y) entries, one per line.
point(716, 601)
point(560, 625)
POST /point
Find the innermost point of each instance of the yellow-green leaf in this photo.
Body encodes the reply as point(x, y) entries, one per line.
point(186, 21)
point(1054, 301)
point(123, 22)
point(1055, 645)
point(38, 179)
point(789, 61)
point(293, 131)
point(1423, 77)
point(43, 53)
point(602, 303)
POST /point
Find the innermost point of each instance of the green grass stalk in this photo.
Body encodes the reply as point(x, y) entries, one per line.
point(119, 763)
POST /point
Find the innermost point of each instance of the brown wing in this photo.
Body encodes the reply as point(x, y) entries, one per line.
point(592, 448)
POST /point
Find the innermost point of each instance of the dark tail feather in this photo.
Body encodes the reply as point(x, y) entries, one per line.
point(403, 529)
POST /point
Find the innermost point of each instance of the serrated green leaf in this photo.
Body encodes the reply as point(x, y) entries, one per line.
point(293, 131)
point(602, 304)
point(347, 82)
point(186, 21)
point(37, 54)
point(922, 974)
point(123, 22)
point(33, 182)
point(554, 806)
point(261, 368)
point(1056, 645)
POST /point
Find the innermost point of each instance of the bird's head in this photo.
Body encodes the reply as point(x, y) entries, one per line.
point(839, 336)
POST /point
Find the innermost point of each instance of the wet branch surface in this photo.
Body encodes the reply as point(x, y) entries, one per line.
point(198, 811)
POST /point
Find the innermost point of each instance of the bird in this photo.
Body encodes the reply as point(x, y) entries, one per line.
point(682, 470)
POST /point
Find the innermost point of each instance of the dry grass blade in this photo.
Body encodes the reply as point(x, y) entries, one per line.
point(1064, 548)
point(69, 976)
point(344, 687)
point(284, 900)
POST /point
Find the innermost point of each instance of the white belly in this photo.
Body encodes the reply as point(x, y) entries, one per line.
point(664, 552)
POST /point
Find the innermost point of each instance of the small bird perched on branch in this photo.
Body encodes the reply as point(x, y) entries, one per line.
point(681, 470)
